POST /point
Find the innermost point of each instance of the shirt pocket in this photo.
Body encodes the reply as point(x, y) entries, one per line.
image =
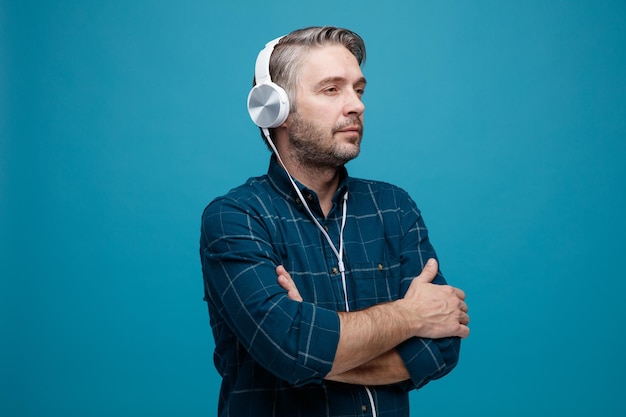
point(374, 283)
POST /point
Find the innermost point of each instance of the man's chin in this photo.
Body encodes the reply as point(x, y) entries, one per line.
point(350, 153)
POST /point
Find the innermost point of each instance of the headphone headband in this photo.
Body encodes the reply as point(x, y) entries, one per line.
point(262, 66)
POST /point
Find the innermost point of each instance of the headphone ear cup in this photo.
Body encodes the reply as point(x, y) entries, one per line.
point(268, 105)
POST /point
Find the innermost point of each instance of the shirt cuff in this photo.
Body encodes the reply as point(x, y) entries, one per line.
point(428, 359)
point(317, 344)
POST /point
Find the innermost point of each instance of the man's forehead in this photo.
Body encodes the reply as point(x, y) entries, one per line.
point(330, 62)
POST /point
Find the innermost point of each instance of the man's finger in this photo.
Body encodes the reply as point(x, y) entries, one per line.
point(285, 281)
point(429, 272)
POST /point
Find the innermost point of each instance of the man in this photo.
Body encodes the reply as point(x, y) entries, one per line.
point(323, 290)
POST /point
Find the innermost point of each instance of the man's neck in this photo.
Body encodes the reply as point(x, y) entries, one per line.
point(324, 181)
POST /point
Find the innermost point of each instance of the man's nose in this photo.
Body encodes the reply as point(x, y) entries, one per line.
point(354, 104)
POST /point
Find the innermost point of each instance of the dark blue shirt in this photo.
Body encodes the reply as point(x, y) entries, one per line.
point(273, 353)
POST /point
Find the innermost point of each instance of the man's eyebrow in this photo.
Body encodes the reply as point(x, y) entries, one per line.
point(330, 80)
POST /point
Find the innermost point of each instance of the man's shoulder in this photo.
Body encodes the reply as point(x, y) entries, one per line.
point(252, 186)
point(361, 185)
point(381, 194)
point(251, 191)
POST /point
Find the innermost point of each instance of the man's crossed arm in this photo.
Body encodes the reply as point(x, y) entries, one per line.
point(366, 352)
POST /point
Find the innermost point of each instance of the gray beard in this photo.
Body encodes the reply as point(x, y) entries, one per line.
point(306, 140)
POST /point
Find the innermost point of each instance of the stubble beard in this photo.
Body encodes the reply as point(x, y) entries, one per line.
point(307, 143)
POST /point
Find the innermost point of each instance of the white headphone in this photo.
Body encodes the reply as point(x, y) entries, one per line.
point(268, 104)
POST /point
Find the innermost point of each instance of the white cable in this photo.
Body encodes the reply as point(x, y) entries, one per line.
point(371, 398)
point(342, 267)
point(338, 253)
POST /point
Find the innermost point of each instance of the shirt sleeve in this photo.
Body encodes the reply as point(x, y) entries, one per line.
point(428, 359)
point(425, 359)
point(295, 341)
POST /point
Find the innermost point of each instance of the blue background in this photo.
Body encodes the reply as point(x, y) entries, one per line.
point(121, 120)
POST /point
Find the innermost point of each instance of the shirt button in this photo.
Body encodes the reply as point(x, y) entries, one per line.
point(364, 408)
point(335, 271)
point(380, 267)
point(309, 197)
point(326, 228)
point(298, 200)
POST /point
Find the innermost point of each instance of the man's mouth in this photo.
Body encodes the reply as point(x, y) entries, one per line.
point(349, 129)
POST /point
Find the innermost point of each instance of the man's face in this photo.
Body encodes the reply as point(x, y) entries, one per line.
point(327, 127)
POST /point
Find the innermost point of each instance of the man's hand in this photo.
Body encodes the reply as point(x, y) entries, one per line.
point(285, 281)
point(436, 311)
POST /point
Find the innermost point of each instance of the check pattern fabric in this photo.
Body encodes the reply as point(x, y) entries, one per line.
point(272, 352)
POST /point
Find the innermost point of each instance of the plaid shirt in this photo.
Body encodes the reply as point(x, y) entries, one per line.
point(273, 353)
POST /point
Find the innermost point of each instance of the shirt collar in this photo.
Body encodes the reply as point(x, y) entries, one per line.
point(280, 181)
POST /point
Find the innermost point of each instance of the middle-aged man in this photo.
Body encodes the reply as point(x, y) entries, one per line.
point(323, 290)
